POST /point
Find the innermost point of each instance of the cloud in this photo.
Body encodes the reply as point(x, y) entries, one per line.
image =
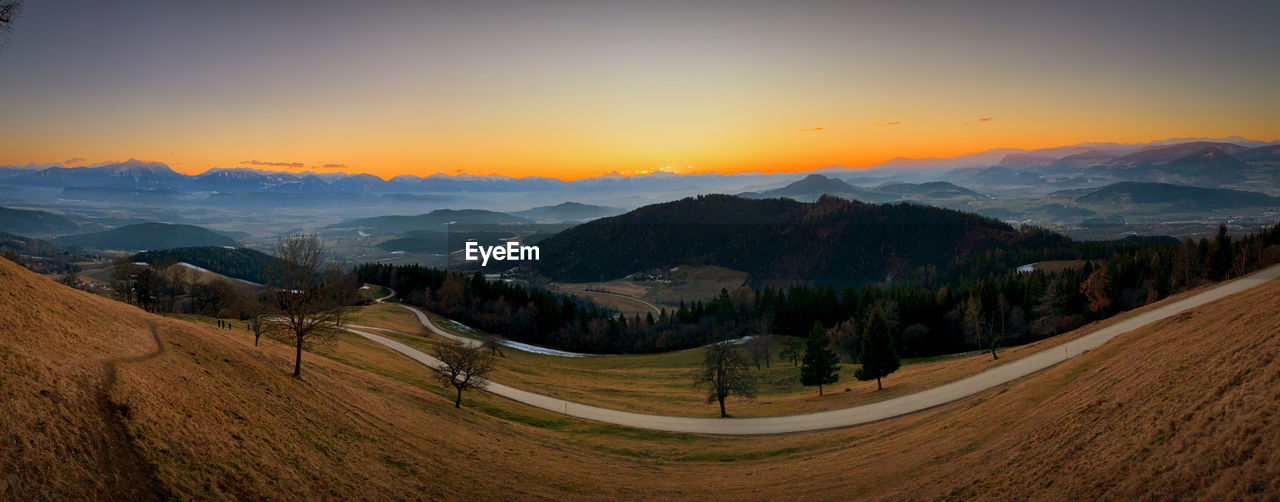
point(74, 160)
point(979, 121)
point(291, 165)
point(287, 165)
point(888, 124)
point(811, 129)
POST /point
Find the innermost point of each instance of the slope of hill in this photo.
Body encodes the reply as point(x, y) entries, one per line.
point(102, 398)
point(778, 240)
point(1181, 197)
point(567, 211)
point(1172, 152)
point(935, 189)
point(146, 236)
point(27, 222)
point(28, 246)
point(433, 221)
point(239, 263)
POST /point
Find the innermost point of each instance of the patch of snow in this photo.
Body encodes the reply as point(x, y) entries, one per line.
point(1026, 269)
point(364, 287)
point(192, 267)
point(673, 269)
point(228, 247)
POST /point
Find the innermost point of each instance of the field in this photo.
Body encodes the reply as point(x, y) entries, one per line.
point(687, 283)
point(663, 383)
point(95, 407)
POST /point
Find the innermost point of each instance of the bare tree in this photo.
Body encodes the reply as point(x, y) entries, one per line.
point(725, 373)
point(493, 344)
point(759, 347)
point(464, 366)
point(308, 295)
point(978, 328)
point(258, 316)
point(792, 349)
point(9, 10)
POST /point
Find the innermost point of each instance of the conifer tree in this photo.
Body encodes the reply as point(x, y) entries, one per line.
point(879, 357)
point(821, 365)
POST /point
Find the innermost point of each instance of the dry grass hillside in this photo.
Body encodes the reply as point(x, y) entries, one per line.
point(98, 405)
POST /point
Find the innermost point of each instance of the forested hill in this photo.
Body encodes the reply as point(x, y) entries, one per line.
point(239, 263)
point(784, 241)
point(148, 236)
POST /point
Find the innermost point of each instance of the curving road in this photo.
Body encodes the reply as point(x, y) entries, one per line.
point(856, 415)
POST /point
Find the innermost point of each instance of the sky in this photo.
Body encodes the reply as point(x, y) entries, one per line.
point(577, 89)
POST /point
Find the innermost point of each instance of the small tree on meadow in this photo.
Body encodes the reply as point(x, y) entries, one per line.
point(792, 349)
point(464, 366)
point(821, 365)
point(759, 347)
point(879, 357)
point(308, 295)
point(725, 373)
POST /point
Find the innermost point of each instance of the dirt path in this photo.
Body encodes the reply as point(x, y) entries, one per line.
point(856, 415)
point(129, 475)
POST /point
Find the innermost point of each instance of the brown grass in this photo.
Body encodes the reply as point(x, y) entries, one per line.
point(662, 383)
point(1182, 409)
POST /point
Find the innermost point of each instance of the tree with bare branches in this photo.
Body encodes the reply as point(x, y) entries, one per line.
point(9, 10)
point(308, 294)
point(725, 373)
point(464, 366)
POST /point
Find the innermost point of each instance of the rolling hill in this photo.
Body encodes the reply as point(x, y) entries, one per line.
point(1183, 198)
point(567, 211)
point(433, 221)
point(34, 222)
point(239, 263)
point(148, 236)
point(814, 186)
point(779, 240)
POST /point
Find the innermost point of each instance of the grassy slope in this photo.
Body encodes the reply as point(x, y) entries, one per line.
point(1183, 409)
point(662, 383)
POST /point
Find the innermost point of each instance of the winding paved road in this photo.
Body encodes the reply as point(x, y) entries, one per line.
point(856, 415)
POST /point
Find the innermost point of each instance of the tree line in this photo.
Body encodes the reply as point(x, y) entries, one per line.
point(980, 313)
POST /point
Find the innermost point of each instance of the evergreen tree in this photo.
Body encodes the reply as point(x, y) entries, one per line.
point(879, 357)
point(821, 365)
point(1221, 255)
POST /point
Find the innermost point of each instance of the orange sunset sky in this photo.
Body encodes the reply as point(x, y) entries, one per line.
point(571, 90)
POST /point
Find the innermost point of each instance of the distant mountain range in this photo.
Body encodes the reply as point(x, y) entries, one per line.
point(147, 236)
point(1189, 160)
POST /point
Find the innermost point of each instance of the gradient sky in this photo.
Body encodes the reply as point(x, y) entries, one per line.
point(575, 89)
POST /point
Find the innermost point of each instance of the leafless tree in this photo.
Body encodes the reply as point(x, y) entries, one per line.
point(308, 294)
point(725, 373)
point(9, 10)
point(759, 347)
point(493, 344)
point(258, 316)
point(464, 366)
point(978, 328)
